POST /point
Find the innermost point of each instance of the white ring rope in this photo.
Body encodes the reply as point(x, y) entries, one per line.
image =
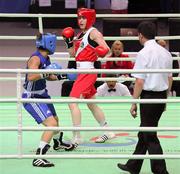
point(93, 156)
point(57, 58)
point(106, 38)
point(147, 101)
point(98, 79)
point(21, 59)
point(177, 37)
point(174, 15)
point(118, 79)
point(132, 129)
point(90, 71)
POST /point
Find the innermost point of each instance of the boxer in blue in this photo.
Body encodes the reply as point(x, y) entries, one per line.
point(35, 87)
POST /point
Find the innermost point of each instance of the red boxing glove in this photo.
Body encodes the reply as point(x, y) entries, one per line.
point(101, 51)
point(68, 35)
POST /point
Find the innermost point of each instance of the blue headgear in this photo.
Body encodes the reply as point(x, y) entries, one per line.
point(48, 42)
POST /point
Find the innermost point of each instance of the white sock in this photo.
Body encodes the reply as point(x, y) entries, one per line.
point(103, 124)
point(76, 133)
point(42, 144)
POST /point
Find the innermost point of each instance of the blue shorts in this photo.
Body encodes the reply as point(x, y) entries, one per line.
point(39, 111)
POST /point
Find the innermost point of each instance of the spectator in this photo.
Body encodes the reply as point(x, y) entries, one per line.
point(117, 49)
point(112, 88)
point(176, 84)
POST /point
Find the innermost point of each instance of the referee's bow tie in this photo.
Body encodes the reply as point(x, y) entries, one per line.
point(114, 90)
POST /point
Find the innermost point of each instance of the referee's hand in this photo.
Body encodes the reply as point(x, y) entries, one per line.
point(133, 110)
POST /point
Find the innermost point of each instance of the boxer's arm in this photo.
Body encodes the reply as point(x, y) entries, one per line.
point(71, 52)
point(98, 38)
point(34, 63)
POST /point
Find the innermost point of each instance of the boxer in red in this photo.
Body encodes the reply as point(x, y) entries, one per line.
point(86, 48)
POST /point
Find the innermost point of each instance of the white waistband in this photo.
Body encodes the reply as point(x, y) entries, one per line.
point(85, 65)
point(35, 92)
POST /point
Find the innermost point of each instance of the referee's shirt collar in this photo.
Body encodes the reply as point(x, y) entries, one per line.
point(149, 42)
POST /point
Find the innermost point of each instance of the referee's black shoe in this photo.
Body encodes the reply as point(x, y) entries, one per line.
point(125, 168)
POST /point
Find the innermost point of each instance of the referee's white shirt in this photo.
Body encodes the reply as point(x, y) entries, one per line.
point(121, 90)
point(153, 56)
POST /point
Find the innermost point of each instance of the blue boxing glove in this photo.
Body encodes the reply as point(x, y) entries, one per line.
point(53, 66)
point(57, 66)
point(72, 76)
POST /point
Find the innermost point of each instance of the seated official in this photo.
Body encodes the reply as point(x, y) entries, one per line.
point(67, 85)
point(112, 88)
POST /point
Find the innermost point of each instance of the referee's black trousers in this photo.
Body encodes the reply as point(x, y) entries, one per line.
point(148, 141)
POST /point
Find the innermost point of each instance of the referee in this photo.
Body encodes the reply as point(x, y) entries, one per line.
point(149, 86)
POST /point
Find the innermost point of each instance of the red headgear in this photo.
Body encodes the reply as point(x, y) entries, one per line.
point(89, 14)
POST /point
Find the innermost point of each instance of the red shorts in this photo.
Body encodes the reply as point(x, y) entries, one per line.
point(84, 85)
